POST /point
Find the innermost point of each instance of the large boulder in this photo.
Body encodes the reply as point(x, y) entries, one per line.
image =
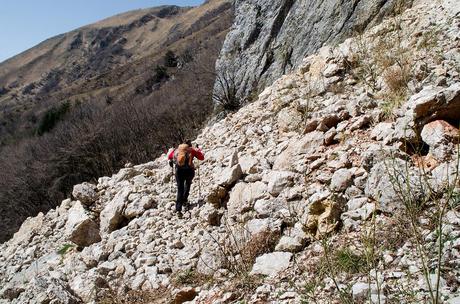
point(271, 264)
point(256, 226)
point(216, 195)
point(43, 289)
point(210, 215)
point(393, 183)
point(341, 180)
point(432, 103)
point(210, 261)
point(85, 193)
point(289, 119)
point(279, 180)
point(112, 215)
point(38, 268)
point(445, 176)
point(382, 130)
point(441, 137)
point(243, 196)
point(80, 227)
point(138, 205)
point(290, 244)
point(322, 217)
point(297, 149)
point(249, 164)
point(84, 285)
point(269, 208)
point(29, 228)
point(230, 175)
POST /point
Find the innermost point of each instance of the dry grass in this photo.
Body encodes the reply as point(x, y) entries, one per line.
point(191, 277)
point(135, 297)
point(396, 78)
point(260, 243)
point(386, 57)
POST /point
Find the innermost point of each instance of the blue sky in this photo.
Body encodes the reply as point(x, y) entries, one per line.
point(25, 23)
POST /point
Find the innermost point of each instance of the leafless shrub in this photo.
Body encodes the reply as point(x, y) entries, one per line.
point(226, 92)
point(260, 243)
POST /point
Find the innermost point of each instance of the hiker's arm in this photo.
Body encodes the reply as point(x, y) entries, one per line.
point(198, 154)
point(171, 154)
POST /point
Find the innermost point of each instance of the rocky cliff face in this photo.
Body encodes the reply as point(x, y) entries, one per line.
point(270, 38)
point(336, 185)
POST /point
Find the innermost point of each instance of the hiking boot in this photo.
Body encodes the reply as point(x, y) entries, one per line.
point(179, 214)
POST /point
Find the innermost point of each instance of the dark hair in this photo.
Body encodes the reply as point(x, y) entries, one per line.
point(188, 142)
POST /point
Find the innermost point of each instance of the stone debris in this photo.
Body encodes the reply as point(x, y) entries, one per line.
point(319, 157)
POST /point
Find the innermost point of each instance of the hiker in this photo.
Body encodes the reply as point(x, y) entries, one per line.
point(182, 157)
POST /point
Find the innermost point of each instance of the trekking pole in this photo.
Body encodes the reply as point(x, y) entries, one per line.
point(199, 182)
point(172, 182)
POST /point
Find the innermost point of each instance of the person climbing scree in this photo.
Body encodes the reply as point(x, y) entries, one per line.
point(182, 158)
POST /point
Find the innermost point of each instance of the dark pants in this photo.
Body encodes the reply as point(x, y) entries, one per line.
point(184, 179)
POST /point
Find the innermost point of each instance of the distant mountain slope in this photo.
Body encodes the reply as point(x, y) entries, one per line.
point(113, 54)
point(82, 104)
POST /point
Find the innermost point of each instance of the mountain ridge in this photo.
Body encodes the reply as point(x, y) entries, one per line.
point(34, 80)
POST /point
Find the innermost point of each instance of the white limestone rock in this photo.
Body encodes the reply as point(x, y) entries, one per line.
point(279, 180)
point(341, 180)
point(230, 175)
point(271, 264)
point(138, 206)
point(243, 196)
point(112, 215)
point(80, 227)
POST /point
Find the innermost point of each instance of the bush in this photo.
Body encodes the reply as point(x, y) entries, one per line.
point(187, 56)
point(349, 262)
point(170, 59)
point(190, 277)
point(161, 73)
point(52, 117)
point(3, 91)
point(110, 296)
point(226, 92)
point(260, 243)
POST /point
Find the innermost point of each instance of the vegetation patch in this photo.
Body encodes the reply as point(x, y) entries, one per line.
point(52, 118)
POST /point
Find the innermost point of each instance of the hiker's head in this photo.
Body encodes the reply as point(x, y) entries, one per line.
point(188, 142)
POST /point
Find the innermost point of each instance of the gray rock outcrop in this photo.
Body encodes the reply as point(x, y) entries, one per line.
point(85, 193)
point(271, 38)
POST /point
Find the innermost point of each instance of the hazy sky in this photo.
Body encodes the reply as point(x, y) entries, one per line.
point(25, 23)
